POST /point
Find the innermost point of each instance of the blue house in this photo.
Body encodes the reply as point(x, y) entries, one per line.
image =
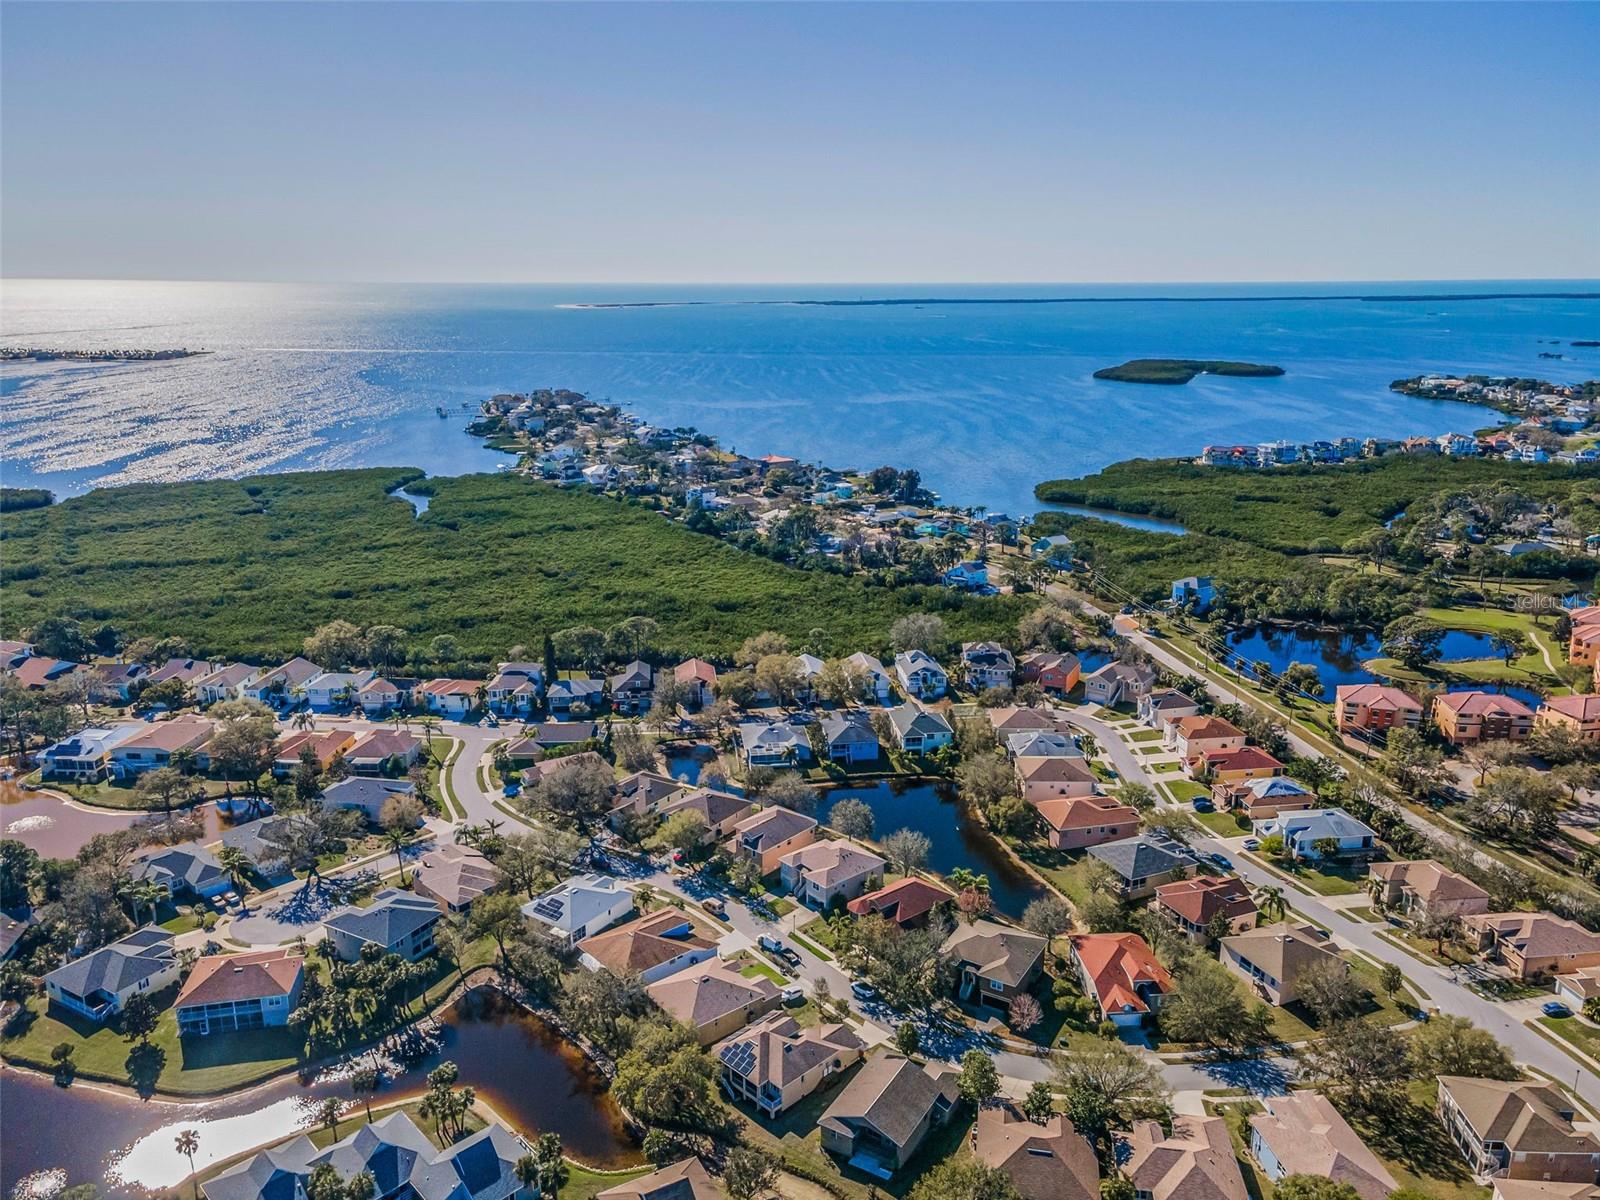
point(1197, 591)
point(969, 575)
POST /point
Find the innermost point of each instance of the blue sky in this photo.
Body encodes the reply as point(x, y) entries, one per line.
point(775, 143)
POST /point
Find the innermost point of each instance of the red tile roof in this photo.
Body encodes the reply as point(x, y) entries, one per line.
point(1115, 963)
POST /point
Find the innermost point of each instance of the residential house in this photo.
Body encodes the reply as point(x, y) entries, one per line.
point(575, 697)
point(325, 745)
point(1056, 672)
point(264, 842)
point(185, 670)
point(1047, 1160)
point(1464, 718)
point(700, 677)
point(1018, 719)
point(969, 576)
point(1583, 643)
point(779, 744)
point(384, 752)
point(1196, 593)
point(1041, 743)
point(1194, 737)
point(1160, 708)
point(920, 676)
point(774, 1064)
point(809, 669)
point(1580, 714)
point(280, 687)
point(12, 926)
point(907, 903)
point(632, 687)
point(652, 947)
point(1055, 547)
point(1518, 1130)
point(636, 794)
point(401, 1160)
point(1421, 888)
point(85, 757)
point(101, 982)
point(986, 665)
point(1045, 779)
point(714, 1000)
point(1362, 708)
point(159, 745)
point(188, 869)
point(1119, 683)
point(1145, 862)
point(515, 689)
point(1259, 799)
point(848, 737)
point(225, 683)
point(365, 795)
point(822, 872)
point(882, 1116)
point(580, 908)
point(1237, 766)
point(995, 963)
point(378, 696)
point(448, 697)
point(1303, 1134)
point(117, 683)
point(1121, 974)
point(1193, 1162)
point(1539, 1189)
point(1082, 821)
point(722, 810)
point(687, 1179)
point(1315, 833)
point(552, 735)
point(454, 876)
point(396, 922)
point(36, 673)
point(1193, 904)
point(919, 731)
point(335, 691)
point(1273, 958)
point(1532, 945)
point(1575, 987)
point(230, 993)
point(878, 683)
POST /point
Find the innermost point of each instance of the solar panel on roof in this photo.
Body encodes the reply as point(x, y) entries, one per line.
point(740, 1057)
point(549, 909)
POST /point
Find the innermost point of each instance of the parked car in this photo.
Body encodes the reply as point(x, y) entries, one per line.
point(862, 990)
point(1202, 805)
point(1554, 1008)
point(1220, 860)
point(794, 994)
point(714, 906)
point(1252, 843)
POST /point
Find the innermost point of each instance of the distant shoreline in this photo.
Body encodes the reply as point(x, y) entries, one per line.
point(36, 354)
point(891, 301)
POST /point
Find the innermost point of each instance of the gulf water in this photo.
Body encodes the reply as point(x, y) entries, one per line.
point(985, 398)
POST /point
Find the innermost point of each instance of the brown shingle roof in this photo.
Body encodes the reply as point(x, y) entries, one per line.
point(709, 992)
point(1308, 1137)
point(1051, 1161)
point(220, 978)
point(644, 943)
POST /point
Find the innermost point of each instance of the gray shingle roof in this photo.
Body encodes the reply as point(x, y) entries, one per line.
point(189, 865)
point(393, 916)
point(362, 790)
point(114, 968)
point(1142, 857)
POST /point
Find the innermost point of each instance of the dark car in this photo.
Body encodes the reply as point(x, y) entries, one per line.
point(1554, 1008)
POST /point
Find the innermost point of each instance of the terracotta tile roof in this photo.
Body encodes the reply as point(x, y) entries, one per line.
point(1246, 758)
point(1115, 963)
point(1579, 708)
point(1198, 900)
point(695, 669)
point(1207, 727)
point(901, 902)
point(1084, 812)
point(1376, 695)
point(1482, 704)
point(644, 943)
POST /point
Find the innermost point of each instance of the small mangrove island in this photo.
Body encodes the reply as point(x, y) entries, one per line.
point(1181, 370)
point(21, 353)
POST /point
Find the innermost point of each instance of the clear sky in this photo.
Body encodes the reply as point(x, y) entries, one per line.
point(774, 143)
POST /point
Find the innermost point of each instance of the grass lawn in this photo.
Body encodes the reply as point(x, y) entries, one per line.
point(1331, 880)
point(750, 968)
point(1185, 790)
point(1576, 1032)
point(112, 793)
point(1426, 949)
point(1145, 735)
point(1067, 873)
point(1224, 825)
point(1164, 768)
point(1498, 988)
point(584, 1184)
point(812, 946)
point(1364, 912)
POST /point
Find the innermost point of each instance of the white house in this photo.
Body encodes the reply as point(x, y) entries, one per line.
point(780, 744)
point(334, 689)
point(85, 757)
point(448, 697)
point(102, 981)
point(579, 908)
point(823, 871)
point(878, 682)
point(226, 993)
point(920, 675)
point(225, 683)
point(1301, 831)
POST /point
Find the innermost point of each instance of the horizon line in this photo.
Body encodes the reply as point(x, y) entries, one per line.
point(819, 283)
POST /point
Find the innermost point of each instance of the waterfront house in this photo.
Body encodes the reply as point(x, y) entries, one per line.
point(97, 985)
point(994, 963)
point(1237, 766)
point(722, 810)
point(12, 926)
point(1464, 718)
point(1533, 945)
point(1193, 1162)
point(1192, 904)
point(1056, 672)
point(1194, 737)
point(1516, 1130)
point(401, 1160)
point(231, 993)
point(1160, 708)
point(1054, 778)
point(280, 687)
point(651, 947)
point(714, 1000)
point(920, 676)
point(323, 745)
point(1261, 798)
point(848, 737)
point(969, 576)
point(225, 683)
point(823, 872)
point(774, 1064)
point(1580, 714)
point(919, 731)
point(1361, 708)
point(1272, 958)
point(986, 665)
point(631, 688)
point(85, 756)
point(769, 835)
point(188, 869)
point(1121, 974)
point(1045, 1160)
point(384, 752)
point(159, 745)
point(1119, 683)
point(1303, 1134)
point(1053, 547)
point(882, 1116)
point(1196, 593)
point(453, 877)
point(700, 678)
point(686, 1179)
point(335, 691)
point(1145, 862)
point(396, 922)
point(365, 795)
point(1314, 833)
point(453, 698)
point(779, 744)
point(907, 903)
point(636, 794)
point(1421, 888)
point(1078, 822)
point(580, 908)
point(878, 684)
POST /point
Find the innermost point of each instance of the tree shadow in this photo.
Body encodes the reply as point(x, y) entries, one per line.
point(1409, 1133)
point(144, 1064)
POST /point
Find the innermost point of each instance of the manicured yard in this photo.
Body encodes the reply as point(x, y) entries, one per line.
point(808, 944)
point(1225, 825)
point(1185, 790)
point(1145, 735)
point(1576, 1031)
point(1164, 768)
point(1330, 880)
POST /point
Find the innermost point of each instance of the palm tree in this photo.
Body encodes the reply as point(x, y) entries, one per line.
point(189, 1145)
point(303, 720)
point(236, 863)
point(363, 1083)
point(528, 1171)
point(184, 760)
point(552, 1166)
point(1270, 901)
point(362, 1186)
point(143, 895)
point(328, 1115)
point(398, 839)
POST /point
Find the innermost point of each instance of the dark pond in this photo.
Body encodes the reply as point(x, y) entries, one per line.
point(525, 1071)
point(1148, 524)
point(1338, 657)
point(58, 828)
point(686, 762)
point(957, 840)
